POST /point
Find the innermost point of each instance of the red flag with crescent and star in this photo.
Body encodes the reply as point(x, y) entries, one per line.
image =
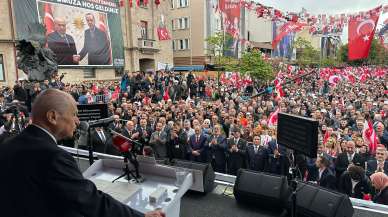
point(163, 34)
point(48, 18)
point(361, 32)
point(285, 30)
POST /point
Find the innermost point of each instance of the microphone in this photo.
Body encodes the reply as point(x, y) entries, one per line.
point(121, 143)
point(82, 132)
point(101, 122)
point(83, 126)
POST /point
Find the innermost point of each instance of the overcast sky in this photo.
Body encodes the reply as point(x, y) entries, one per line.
point(327, 7)
point(324, 6)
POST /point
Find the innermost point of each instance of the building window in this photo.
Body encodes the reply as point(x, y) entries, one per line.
point(89, 73)
point(2, 76)
point(183, 3)
point(184, 23)
point(144, 29)
point(181, 44)
point(173, 45)
point(180, 23)
point(173, 3)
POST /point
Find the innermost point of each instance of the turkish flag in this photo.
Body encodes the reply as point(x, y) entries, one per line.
point(48, 18)
point(285, 30)
point(163, 33)
point(273, 118)
point(361, 32)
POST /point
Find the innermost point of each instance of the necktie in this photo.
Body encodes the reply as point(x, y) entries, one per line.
point(197, 139)
point(255, 149)
point(67, 41)
point(102, 136)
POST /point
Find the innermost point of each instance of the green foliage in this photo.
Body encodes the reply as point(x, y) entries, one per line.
point(217, 48)
point(306, 54)
point(216, 44)
point(378, 55)
point(253, 65)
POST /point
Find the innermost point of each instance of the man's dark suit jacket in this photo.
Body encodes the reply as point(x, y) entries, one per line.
point(63, 47)
point(43, 180)
point(362, 187)
point(199, 146)
point(258, 161)
point(236, 160)
point(342, 163)
point(97, 47)
point(372, 167)
point(218, 154)
point(177, 147)
point(278, 165)
point(328, 179)
point(103, 146)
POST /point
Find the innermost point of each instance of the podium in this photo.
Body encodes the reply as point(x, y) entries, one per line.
point(157, 178)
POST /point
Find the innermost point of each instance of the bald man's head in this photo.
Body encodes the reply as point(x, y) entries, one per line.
point(56, 111)
point(60, 25)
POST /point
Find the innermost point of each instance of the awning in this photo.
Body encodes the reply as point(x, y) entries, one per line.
point(189, 68)
point(265, 45)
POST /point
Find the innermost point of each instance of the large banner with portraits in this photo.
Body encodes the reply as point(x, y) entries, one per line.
point(79, 32)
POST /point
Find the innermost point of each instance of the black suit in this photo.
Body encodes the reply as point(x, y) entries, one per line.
point(372, 167)
point(44, 180)
point(362, 187)
point(198, 145)
point(327, 179)
point(236, 160)
point(96, 45)
point(258, 161)
point(342, 163)
point(218, 154)
point(103, 146)
point(177, 147)
point(63, 47)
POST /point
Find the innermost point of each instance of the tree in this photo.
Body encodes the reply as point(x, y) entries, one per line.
point(378, 55)
point(253, 64)
point(306, 54)
point(217, 48)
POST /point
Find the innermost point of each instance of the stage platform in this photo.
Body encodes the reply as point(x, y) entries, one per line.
point(218, 204)
point(221, 203)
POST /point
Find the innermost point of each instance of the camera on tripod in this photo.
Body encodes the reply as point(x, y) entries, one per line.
point(18, 111)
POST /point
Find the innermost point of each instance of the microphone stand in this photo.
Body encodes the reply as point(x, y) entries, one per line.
point(90, 148)
point(131, 156)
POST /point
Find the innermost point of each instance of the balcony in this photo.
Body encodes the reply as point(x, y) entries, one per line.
point(148, 46)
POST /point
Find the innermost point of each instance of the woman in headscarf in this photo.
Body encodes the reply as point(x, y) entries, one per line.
point(380, 183)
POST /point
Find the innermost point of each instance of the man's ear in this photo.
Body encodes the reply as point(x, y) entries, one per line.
point(52, 117)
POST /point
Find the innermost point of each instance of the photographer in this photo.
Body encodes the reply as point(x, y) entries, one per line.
point(20, 93)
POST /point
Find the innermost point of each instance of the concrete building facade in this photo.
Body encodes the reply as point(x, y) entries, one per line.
point(142, 48)
point(192, 22)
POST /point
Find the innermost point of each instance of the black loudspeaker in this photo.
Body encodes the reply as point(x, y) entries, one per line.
point(315, 201)
point(203, 174)
point(261, 189)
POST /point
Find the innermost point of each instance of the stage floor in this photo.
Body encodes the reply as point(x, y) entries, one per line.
point(217, 204)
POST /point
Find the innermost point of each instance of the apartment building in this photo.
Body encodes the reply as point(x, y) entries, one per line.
point(192, 22)
point(143, 49)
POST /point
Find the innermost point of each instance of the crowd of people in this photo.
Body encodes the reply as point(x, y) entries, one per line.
point(232, 125)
